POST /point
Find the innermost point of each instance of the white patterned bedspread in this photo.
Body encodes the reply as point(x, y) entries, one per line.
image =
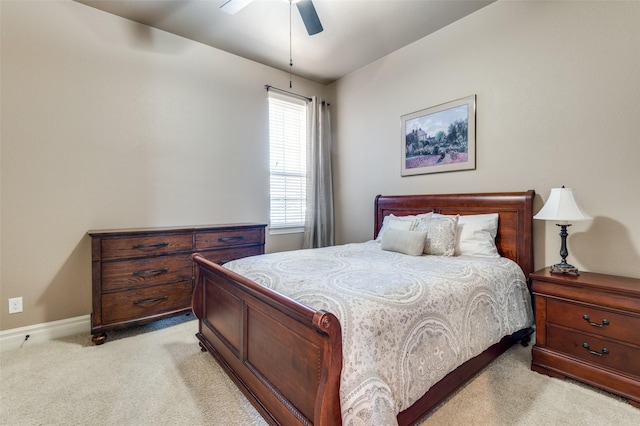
point(406, 321)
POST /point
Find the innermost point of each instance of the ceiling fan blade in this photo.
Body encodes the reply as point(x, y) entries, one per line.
point(234, 6)
point(309, 16)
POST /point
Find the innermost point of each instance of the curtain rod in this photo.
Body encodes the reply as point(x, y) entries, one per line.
point(270, 87)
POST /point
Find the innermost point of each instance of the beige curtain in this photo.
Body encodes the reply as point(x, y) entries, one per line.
point(319, 226)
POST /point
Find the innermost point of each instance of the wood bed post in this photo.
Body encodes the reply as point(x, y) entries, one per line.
point(327, 410)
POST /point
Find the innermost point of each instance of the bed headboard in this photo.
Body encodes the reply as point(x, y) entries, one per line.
point(515, 209)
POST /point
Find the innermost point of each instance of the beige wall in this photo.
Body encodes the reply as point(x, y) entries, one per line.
point(558, 90)
point(108, 124)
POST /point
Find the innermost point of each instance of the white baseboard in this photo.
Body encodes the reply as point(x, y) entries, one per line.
point(40, 333)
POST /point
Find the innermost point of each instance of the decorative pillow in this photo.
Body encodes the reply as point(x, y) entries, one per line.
point(441, 234)
point(403, 241)
point(395, 219)
point(477, 235)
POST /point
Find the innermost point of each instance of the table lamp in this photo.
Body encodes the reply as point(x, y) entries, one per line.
point(562, 208)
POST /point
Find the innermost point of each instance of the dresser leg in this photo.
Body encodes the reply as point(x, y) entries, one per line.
point(99, 338)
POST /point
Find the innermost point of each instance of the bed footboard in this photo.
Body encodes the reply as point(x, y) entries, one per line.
point(285, 357)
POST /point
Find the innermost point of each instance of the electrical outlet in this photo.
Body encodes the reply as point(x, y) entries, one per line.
point(15, 305)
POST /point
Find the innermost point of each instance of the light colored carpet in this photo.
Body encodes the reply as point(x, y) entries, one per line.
point(157, 375)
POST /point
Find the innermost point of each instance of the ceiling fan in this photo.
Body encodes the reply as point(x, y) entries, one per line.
point(305, 7)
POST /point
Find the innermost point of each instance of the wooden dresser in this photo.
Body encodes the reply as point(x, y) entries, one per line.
point(142, 275)
point(588, 328)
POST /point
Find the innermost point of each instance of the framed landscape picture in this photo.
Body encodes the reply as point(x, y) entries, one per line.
point(440, 139)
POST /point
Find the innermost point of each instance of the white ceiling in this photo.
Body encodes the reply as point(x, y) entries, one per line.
point(356, 32)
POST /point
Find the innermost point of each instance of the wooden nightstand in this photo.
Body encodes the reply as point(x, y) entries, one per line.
point(588, 328)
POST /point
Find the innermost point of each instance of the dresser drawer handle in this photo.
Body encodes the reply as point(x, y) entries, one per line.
point(148, 301)
point(144, 246)
point(151, 271)
point(594, 324)
point(605, 351)
point(229, 239)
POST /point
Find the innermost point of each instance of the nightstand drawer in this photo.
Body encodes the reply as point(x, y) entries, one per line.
point(592, 320)
point(145, 302)
point(144, 272)
point(594, 350)
point(148, 245)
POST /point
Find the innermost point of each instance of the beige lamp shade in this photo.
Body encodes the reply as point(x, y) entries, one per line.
point(562, 207)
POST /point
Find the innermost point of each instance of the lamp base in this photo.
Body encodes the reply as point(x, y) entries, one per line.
point(564, 268)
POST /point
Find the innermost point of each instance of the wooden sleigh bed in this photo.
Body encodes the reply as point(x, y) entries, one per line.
point(287, 358)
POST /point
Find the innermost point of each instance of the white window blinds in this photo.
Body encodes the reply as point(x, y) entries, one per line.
point(287, 160)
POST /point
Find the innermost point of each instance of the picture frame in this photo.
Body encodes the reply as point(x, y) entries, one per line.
point(440, 139)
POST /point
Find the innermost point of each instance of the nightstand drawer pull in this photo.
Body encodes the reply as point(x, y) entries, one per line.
point(229, 239)
point(143, 246)
point(157, 299)
point(593, 324)
point(605, 351)
point(151, 271)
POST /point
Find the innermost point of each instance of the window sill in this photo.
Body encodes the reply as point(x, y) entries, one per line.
point(278, 231)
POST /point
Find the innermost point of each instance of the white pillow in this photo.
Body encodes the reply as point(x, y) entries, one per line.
point(477, 235)
point(411, 219)
point(403, 241)
point(441, 234)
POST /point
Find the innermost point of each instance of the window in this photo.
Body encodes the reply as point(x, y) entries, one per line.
point(287, 161)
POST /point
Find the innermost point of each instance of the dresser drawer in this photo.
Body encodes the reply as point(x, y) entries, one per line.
point(215, 239)
point(143, 272)
point(115, 248)
point(145, 302)
point(618, 356)
point(593, 320)
point(225, 255)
